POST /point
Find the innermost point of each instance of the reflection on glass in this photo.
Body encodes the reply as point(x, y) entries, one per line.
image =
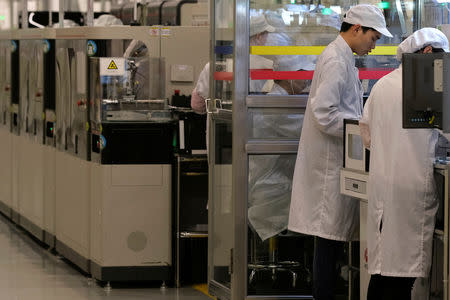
point(223, 72)
point(223, 50)
point(279, 262)
point(222, 220)
point(312, 24)
point(356, 148)
point(275, 125)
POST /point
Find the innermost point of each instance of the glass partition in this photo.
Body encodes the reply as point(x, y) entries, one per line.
point(284, 37)
point(284, 50)
point(223, 52)
point(275, 124)
point(222, 208)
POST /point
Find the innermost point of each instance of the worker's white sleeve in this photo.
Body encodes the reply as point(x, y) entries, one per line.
point(201, 91)
point(326, 99)
point(364, 124)
point(202, 86)
point(198, 102)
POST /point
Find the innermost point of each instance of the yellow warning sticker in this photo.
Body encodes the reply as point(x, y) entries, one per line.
point(112, 65)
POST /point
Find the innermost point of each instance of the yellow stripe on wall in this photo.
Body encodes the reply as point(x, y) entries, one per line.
point(311, 50)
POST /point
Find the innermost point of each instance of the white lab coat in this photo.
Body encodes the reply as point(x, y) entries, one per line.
point(402, 190)
point(317, 206)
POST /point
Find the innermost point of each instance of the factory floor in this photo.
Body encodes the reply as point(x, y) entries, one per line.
point(29, 271)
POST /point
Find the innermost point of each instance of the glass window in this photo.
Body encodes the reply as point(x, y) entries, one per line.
point(287, 36)
point(275, 124)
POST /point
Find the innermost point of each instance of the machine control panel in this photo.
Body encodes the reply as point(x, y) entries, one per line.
point(355, 185)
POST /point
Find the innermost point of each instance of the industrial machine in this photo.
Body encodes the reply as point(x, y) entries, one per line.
point(162, 12)
point(183, 67)
point(14, 124)
point(30, 152)
point(132, 153)
point(93, 136)
point(176, 12)
point(6, 145)
point(72, 189)
point(152, 12)
point(49, 143)
point(425, 102)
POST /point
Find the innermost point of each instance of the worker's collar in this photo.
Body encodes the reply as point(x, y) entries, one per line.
point(347, 51)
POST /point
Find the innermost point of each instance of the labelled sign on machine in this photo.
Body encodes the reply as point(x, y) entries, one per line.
point(112, 66)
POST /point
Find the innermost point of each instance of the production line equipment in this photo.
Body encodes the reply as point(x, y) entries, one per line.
point(6, 47)
point(90, 136)
point(162, 12)
point(133, 139)
point(131, 155)
point(31, 185)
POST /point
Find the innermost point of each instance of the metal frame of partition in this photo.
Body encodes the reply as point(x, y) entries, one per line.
point(240, 170)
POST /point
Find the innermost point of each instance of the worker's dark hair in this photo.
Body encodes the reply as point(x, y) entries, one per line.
point(346, 26)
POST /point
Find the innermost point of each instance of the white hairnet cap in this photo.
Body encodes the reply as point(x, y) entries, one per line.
point(107, 20)
point(293, 63)
point(278, 39)
point(67, 23)
point(259, 24)
point(368, 16)
point(422, 38)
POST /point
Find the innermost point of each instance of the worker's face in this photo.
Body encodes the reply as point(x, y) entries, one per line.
point(364, 41)
point(299, 85)
point(259, 39)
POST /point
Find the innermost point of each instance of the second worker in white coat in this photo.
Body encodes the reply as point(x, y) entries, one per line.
point(402, 201)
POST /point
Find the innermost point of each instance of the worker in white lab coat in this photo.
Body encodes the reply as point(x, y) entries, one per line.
point(402, 200)
point(317, 207)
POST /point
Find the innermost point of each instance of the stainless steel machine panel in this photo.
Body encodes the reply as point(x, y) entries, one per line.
point(71, 97)
point(5, 81)
point(15, 86)
point(184, 67)
point(31, 89)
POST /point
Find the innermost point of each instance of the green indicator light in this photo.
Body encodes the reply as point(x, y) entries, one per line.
point(2, 18)
point(383, 5)
point(174, 140)
point(292, 1)
point(326, 11)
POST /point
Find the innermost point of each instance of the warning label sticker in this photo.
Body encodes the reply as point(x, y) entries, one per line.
point(112, 66)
